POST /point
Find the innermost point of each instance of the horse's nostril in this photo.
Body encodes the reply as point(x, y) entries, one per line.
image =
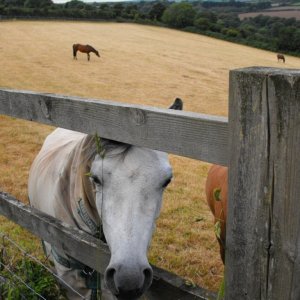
point(109, 274)
point(110, 280)
point(148, 273)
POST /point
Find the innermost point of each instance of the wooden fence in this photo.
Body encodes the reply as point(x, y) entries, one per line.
point(259, 144)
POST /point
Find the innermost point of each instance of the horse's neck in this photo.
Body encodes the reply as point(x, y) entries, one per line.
point(92, 49)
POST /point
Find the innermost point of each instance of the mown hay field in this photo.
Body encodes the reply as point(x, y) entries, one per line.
point(138, 64)
point(284, 13)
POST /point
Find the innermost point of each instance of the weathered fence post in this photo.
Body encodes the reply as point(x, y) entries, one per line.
point(263, 230)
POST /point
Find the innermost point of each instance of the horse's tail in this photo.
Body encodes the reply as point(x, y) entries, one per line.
point(74, 50)
point(283, 58)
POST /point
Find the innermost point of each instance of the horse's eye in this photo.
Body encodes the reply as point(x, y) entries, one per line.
point(96, 180)
point(167, 183)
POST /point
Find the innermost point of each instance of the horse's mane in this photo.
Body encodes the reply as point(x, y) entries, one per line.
point(92, 48)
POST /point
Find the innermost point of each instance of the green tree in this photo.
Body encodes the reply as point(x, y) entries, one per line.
point(230, 20)
point(157, 11)
point(275, 28)
point(179, 15)
point(75, 4)
point(118, 9)
point(247, 30)
point(130, 11)
point(288, 39)
point(37, 3)
point(202, 23)
point(12, 2)
point(232, 32)
point(105, 12)
point(207, 20)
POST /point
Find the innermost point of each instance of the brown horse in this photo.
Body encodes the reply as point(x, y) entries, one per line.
point(84, 49)
point(280, 57)
point(216, 195)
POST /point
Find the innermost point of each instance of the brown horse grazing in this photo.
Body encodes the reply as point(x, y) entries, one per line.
point(216, 195)
point(280, 57)
point(84, 49)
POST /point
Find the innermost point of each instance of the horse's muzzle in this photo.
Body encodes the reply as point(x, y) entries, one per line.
point(128, 283)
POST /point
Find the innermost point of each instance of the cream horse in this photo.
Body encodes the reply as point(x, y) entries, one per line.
point(118, 189)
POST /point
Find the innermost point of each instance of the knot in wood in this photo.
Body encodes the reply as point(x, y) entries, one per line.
point(137, 116)
point(46, 108)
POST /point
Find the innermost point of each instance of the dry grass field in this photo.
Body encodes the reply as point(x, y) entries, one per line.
point(284, 13)
point(138, 64)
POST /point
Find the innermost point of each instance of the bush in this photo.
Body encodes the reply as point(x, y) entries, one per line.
point(202, 23)
point(232, 32)
point(179, 15)
point(37, 3)
point(157, 11)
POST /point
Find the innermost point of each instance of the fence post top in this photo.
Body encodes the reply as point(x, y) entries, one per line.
point(267, 71)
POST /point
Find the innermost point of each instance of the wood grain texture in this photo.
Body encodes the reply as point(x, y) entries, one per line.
point(248, 167)
point(284, 262)
point(61, 235)
point(198, 136)
point(263, 228)
point(75, 242)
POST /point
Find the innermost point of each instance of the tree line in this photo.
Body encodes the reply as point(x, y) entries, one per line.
point(214, 19)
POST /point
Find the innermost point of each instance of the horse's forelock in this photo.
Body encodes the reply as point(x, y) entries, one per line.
point(112, 148)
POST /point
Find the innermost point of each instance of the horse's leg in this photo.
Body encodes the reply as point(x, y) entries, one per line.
point(88, 56)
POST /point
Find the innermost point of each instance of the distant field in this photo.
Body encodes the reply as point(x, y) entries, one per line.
point(138, 64)
point(290, 7)
point(281, 12)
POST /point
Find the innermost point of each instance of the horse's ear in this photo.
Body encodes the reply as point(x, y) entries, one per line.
point(177, 105)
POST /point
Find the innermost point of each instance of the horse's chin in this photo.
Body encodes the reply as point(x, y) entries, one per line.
point(130, 295)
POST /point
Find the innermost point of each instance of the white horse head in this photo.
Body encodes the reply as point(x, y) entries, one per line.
point(129, 184)
point(124, 192)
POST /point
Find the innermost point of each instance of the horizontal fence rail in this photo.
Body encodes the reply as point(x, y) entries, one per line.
point(77, 243)
point(193, 135)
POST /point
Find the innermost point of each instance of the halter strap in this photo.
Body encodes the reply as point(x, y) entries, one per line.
point(96, 231)
point(92, 277)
